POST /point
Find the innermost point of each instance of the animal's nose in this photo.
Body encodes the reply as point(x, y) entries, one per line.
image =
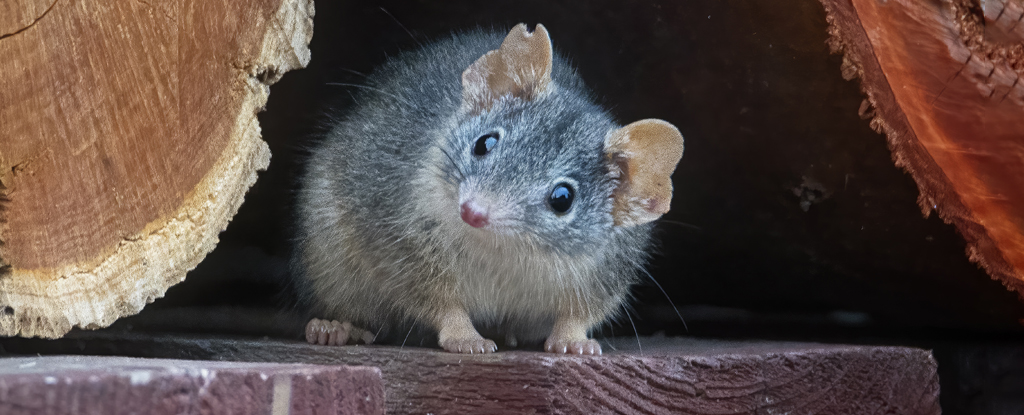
point(473, 214)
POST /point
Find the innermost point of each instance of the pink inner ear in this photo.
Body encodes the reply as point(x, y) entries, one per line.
point(521, 68)
point(646, 152)
point(654, 205)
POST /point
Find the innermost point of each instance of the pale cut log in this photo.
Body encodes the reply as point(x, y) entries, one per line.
point(943, 81)
point(128, 138)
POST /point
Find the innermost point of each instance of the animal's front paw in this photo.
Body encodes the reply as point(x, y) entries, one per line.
point(469, 346)
point(568, 346)
point(456, 334)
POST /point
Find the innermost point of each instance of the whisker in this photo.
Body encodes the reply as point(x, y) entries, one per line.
point(401, 25)
point(381, 91)
point(454, 164)
point(667, 298)
point(683, 224)
point(611, 339)
point(638, 346)
point(445, 177)
point(406, 337)
point(353, 71)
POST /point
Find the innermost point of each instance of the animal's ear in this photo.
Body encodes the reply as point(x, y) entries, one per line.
point(643, 154)
point(521, 67)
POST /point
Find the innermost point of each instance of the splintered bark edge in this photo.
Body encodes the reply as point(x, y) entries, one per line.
point(993, 239)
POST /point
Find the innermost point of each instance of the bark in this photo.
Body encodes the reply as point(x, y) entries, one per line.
point(943, 82)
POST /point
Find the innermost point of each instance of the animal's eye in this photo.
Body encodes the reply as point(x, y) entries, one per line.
point(561, 197)
point(485, 143)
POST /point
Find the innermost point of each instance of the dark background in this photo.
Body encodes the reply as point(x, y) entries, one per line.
point(789, 220)
point(786, 202)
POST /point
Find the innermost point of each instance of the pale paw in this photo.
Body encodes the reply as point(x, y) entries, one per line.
point(566, 346)
point(330, 332)
point(469, 346)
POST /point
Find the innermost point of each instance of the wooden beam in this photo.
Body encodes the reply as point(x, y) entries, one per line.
point(669, 376)
point(59, 385)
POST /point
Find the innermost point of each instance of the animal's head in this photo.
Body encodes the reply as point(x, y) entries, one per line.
point(538, 158)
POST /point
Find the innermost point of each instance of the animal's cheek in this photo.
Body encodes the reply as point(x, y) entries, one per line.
point(536, 215)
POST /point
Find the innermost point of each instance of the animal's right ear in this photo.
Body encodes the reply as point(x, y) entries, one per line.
point(643, 156)
point(521, 67)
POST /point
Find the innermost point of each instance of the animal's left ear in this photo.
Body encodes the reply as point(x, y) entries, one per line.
point(643, 154)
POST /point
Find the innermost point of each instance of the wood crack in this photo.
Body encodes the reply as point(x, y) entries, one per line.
point(7, 35)
point(1009, 90)
point(1014, 25)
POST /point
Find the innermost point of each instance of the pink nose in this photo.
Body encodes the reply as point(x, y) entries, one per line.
point(473, 214)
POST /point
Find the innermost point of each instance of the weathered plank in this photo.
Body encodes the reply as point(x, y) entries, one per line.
point(118, 385)
point(670, 376)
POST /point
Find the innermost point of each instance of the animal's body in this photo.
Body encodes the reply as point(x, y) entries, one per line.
point(475, 185)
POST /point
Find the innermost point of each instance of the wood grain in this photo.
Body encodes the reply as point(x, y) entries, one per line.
point(943, 81)
point(18, 15)
point(117, 385)
point(127, 139)
point(669, 375)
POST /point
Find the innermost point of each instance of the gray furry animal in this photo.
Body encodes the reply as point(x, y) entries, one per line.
point(475, 185)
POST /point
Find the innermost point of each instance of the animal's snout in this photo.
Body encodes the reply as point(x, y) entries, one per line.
point(473, 214)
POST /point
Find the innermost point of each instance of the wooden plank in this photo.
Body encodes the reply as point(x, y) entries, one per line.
point(118, 385)
point(669, 376)
point(128, 137)
point(943, 81)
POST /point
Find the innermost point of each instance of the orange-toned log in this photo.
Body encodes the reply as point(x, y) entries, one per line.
point(128, 138)
point(943, 82)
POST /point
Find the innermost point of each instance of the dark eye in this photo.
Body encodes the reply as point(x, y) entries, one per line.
point(561, 197)
point(485, 143)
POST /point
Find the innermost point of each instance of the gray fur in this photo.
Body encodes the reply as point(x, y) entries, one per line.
point(380, 240)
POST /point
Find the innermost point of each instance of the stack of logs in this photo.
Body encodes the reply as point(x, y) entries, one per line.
point(128, 134)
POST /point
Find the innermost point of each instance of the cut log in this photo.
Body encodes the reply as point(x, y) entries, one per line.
point(943, 82)
point(72, 385)
point(128, 137)
point(666, 376)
